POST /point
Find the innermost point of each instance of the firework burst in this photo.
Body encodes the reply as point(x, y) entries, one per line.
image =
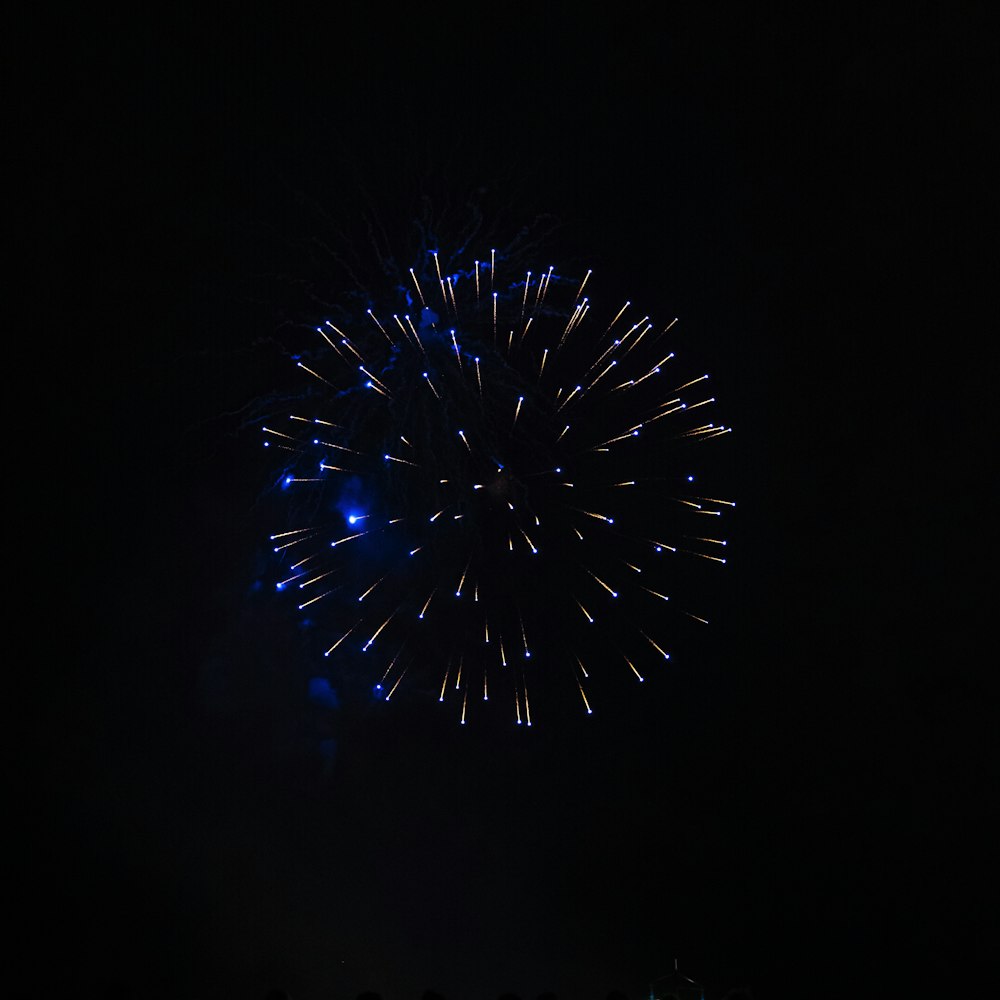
point(486, 498)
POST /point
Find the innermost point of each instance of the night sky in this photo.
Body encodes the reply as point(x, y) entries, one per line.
point(801, 803)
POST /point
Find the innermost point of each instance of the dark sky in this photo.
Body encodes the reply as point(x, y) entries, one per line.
point(802, 804)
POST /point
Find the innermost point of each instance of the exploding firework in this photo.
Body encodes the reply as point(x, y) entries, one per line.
point(487, 501)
